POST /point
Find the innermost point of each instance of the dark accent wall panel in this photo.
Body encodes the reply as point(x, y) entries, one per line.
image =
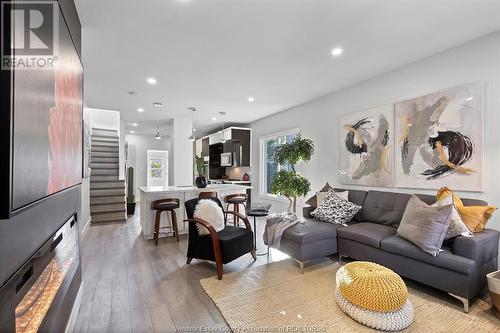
point(24, 233)
point(71, 16)
point(42, 122)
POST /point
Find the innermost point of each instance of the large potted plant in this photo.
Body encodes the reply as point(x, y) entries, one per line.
point(288, 182)
point(200, 180)
point(130, 192)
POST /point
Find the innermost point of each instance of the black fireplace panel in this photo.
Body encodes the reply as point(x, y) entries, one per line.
point(22, 235)
point(34, 295)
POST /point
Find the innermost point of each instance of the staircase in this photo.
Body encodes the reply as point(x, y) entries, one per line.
point(107, 192)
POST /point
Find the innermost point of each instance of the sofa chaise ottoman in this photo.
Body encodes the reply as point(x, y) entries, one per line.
point(312, 238)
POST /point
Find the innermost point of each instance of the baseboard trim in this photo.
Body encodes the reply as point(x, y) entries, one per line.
point(85, 229)
point(74, 312)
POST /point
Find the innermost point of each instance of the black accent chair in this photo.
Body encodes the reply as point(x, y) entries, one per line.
point(222, 247)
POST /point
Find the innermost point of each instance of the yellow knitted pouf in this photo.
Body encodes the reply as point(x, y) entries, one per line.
point(372, 286)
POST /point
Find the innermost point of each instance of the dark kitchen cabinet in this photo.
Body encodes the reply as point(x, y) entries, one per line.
point(243, 137)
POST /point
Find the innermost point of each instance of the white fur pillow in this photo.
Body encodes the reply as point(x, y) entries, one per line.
point(211, 212)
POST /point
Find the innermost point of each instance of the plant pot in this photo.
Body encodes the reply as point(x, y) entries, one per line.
point(201, 182)
point(494, 288)
point(130, 208)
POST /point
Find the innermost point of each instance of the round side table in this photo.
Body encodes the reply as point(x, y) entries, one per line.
point(257, 212)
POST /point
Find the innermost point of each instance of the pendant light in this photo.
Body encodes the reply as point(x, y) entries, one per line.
point(222, 113)
point(158, 135)
point(192, 136)
point(223, 139)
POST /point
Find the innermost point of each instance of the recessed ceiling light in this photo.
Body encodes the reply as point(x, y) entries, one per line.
point(157, 104)
point(151, 80)
point(214, 119)
point(251, 99)
point(337, 51)
point(469, 98)
point(134, 124)
point(140, 110)
point(132, 132)
point(194, 129)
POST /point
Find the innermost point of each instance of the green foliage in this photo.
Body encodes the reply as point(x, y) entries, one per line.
point(290, 184)
point(130, 185)
point(300, 149)
point(199, 166)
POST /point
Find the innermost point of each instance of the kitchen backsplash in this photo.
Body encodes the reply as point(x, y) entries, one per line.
point(238, 172)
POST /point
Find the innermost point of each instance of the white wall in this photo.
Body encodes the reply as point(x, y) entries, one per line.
point(317, 119)
point(84, 218)
point(138, 146)
point(182, 151)
point(104, 119)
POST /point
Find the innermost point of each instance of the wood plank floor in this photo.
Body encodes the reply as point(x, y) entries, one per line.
point(130, 285)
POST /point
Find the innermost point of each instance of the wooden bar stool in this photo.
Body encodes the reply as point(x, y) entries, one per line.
point(165, 205)
point(205, 195)
point(236, 200)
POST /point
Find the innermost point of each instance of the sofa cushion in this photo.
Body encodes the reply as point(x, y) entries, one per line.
point(311, 230)
point(446, 258)
point(384, 207)
point(367, 233)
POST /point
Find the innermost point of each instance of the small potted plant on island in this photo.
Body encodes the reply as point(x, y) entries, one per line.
point(130, 192)
point(200, 180)
point(288, 182)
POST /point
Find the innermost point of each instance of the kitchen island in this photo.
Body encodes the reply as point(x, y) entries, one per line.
point(183, 193)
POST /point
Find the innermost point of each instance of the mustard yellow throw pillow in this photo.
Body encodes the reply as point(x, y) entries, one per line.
point(475, 217)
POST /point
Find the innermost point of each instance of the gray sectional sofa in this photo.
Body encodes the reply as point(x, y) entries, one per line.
point(460, 269)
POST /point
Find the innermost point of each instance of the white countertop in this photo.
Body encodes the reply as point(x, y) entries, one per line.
point(190, 188)
point(227, 181)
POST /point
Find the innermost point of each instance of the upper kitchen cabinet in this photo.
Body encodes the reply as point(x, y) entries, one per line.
point(201, 147)
point(243, 136)
point(205, 147)
point(237, 139)
point(198, 148)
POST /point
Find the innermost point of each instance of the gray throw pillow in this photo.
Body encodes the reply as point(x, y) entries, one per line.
point(425, 226)
point(335, 209)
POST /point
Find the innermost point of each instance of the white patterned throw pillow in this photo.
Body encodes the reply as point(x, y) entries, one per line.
point(209, 211)
point(335, 209)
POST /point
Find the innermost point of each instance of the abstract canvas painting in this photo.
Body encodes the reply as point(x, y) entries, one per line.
point(439, 140)
point(366, 141)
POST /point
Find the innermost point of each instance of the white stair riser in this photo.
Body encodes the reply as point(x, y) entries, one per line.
point(104, 165)
point(107, 200)
point(104, 132)
point(107, 192)
point(104, 172)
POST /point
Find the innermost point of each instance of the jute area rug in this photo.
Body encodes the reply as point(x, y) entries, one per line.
point(277, 298)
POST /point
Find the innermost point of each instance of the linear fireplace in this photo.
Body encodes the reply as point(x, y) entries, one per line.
point(35, 297)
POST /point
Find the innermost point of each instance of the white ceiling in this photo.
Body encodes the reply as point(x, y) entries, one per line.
point(214, 54)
